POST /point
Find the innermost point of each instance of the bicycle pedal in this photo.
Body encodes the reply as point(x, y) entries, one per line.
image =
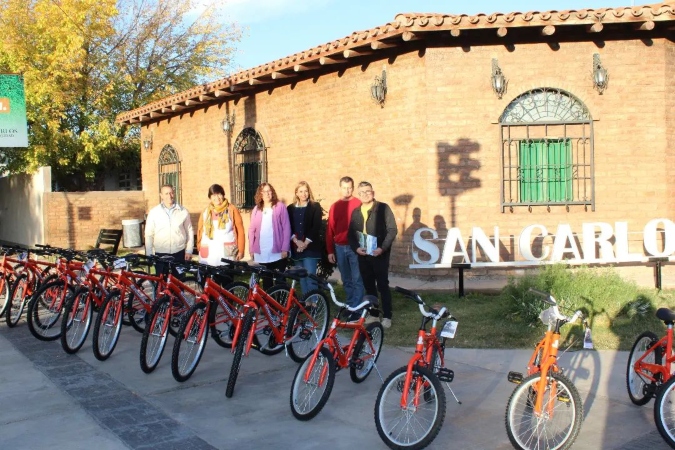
point(445, 375)
point(564, 397)
point(515, 377)
point(356, 364)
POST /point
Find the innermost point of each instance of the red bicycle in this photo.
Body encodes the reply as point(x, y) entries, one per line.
point(273, 320)
point(314, 379)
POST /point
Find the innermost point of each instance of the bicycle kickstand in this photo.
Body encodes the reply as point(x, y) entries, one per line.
point(447, 385)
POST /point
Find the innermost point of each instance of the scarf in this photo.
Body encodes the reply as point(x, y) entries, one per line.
point(222, 212)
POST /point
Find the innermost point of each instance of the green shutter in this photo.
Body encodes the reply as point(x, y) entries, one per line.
point(545, 171)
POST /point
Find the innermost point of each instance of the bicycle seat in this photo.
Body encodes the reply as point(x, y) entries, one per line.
point(372, 300)
point(300, 272)
point(666, 315)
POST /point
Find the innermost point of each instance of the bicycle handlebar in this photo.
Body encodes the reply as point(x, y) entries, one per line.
point(432, 313)
point(548, 298)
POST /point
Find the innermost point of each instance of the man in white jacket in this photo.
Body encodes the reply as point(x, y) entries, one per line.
point(168, 228)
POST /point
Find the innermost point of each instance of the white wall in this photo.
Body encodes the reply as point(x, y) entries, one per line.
point(21, 207)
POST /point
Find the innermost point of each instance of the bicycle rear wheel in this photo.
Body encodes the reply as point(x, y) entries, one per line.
point(190, 342)
point(641, 390)
point(108, 326)
point(664, 412)
point(249, 319)
point(136, 312)
point(365, 356)
point(309, 397)
point(17, 300)
point(558, 424)
point(303, 334)
point(155, 334)
point(418, 424)
point(77, 316)
point(264, 337)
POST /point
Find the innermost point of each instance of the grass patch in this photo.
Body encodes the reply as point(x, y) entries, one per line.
point(617, 310)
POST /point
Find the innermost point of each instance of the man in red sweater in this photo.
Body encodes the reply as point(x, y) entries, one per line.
point(337, 242)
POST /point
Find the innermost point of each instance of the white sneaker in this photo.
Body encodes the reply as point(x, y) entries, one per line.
point(386, 323)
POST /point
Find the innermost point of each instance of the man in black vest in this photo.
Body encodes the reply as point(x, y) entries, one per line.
point(371, 238)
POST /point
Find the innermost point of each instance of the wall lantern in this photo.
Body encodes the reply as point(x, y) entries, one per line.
point(600, 75)
point(498, 79)
point(378, 90)
point(228, 123)
point(147, 143)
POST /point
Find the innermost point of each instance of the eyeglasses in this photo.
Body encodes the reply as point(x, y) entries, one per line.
point(365, 192)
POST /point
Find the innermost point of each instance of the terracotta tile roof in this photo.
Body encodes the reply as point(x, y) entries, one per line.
point(405, 27)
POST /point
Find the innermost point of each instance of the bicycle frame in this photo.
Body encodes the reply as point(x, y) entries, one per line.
point(426, 342)
point(660, 372)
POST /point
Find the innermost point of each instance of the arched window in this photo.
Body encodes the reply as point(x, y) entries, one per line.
point(169, 170)
point(250, 166)
point(547, 150)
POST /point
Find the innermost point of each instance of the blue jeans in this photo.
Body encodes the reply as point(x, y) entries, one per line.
point(307, 284)
point(348, 265)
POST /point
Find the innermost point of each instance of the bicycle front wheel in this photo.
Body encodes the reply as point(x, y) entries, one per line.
point(416, 424)
point(640, 389)
point(77, 320)
point(365, 355)
point(45, 308)
point(242, 339)
point(190, 342)
point(5, 285)
point(558, 423)
point(108, 326)
point(664, 412)
point(309, 397)
point(17, 300)
point(155, 335)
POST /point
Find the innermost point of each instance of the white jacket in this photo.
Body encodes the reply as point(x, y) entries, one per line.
point(168, 231)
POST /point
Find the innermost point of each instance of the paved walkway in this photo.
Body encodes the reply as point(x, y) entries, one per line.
point(58, 401)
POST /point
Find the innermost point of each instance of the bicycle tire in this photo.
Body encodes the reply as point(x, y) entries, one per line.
point(42, 316)
point(17, 300)
point(184, 363)
point(302, 335)
point(5, 285)
point(264, 336)
point(108, 326)
point(239, 351)
point(560, 429)
point(394, 423)
point(362, 350)
point(640, 392)
point(221, 324)
point(304, 404)
point(77, 318)
point(155, 336)
point(664, 412)
point(438, 355)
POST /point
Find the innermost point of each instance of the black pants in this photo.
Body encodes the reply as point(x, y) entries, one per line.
point(267, 280)
point(375, 271)
point(162, 267)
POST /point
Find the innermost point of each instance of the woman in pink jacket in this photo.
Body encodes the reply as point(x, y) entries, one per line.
point(269, 235)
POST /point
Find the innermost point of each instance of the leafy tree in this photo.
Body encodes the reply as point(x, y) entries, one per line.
point(85, 61)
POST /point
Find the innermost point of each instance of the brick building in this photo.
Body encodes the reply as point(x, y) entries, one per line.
point(447, 148)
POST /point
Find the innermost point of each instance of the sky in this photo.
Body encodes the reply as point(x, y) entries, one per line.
point(274, 29)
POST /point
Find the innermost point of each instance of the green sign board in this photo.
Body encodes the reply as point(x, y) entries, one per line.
point(13, 127)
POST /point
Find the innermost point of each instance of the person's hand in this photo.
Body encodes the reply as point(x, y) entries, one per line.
point(188, 256)
point(361, 251)
point(331, 258)
point(378, 251)
point(284, 255)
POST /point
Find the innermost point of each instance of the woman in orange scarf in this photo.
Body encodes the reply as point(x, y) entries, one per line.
point(220, 233)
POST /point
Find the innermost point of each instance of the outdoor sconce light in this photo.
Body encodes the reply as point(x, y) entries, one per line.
point(378, 90)
point(498, 79)
point(600, 75)
point(228, 123)
point(147, 143)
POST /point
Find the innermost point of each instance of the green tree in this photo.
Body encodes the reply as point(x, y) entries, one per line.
point(86, 61)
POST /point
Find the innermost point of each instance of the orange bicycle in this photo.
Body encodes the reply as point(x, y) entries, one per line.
point(313, 382)
point(545, 410)
point(410, 406)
